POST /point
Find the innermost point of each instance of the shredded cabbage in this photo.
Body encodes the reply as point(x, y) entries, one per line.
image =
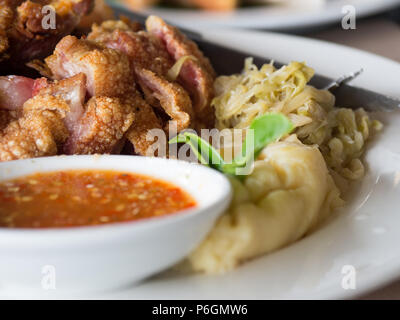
point(340, 133)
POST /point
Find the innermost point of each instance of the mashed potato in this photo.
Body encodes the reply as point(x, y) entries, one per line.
point(294, 185)
point(287, 194)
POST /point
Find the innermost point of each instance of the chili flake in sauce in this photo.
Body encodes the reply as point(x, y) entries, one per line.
point(86, 197)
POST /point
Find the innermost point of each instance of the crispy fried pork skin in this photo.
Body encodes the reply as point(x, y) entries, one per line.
point(96, 127)
point(145, 121)
point(37, 133)
point(89, 101)
point(24, 36)
point(71, 91)
point(110, 83)
point(196, 76)
point(150, 62)
point(107, 71)
point(172, 97)
point(143, 49)
point(102, 126)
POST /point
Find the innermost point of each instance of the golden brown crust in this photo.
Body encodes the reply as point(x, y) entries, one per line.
point(108, 71)
point(145, 121)
point(143, 49)
point(171, 96)
point(46, 102)
point(150, 62)
point(104, 67)
point(35, 134)
point(67, 96)
point(177, 43)
point(24, 37)
point(104, 124)
point(197, 76)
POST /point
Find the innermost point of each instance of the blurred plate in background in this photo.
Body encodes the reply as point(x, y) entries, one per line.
point(304, 14)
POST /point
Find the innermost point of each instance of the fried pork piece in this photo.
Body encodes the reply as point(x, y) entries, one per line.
point(102, 126)
point(172, 97)
point(24, 37)
point(35, 134)
point(151, 63)
point(110, 83)
point(49, 106)
point(139, 134)
point(107, 71)
point(197, 76)
point(70, 91)
point(94, 128)
point(143, 49)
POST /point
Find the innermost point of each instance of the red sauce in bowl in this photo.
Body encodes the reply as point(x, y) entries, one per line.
point(86, 197)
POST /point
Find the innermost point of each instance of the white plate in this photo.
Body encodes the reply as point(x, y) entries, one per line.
point(272, 17)
point(365, 235)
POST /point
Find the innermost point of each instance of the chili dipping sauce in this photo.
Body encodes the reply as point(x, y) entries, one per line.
point(86, 197)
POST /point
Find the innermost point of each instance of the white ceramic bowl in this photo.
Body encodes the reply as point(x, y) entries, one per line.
point(111, 255)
